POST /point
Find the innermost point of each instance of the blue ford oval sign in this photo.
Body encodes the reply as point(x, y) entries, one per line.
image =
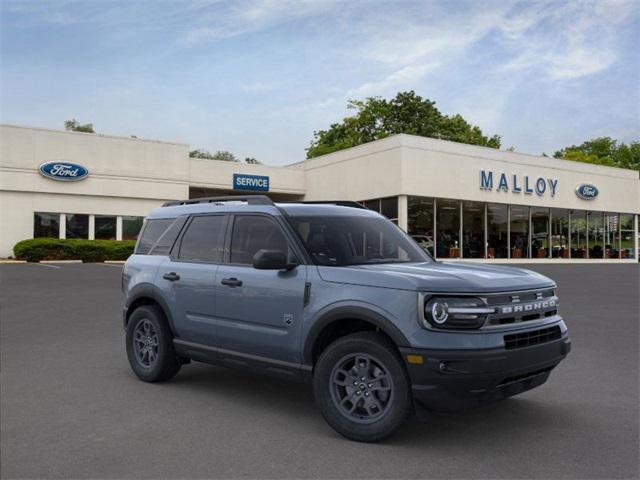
point(63, 171)
point(586, 191)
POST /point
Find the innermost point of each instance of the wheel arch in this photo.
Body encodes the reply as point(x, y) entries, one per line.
point(329, 323)
point(144, 294)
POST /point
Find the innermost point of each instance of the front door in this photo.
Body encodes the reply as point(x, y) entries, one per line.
point(259, 312)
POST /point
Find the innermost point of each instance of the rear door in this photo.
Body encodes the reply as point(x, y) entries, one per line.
point(187, 277)
point(259, 312)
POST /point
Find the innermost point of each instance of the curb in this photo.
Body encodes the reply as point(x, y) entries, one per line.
point(60, 261)
point(8, 261)
point(114, 262)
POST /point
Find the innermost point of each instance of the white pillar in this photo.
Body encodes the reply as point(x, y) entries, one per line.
point(92, 227)
point(63, 225)
point(403, 212)
point(635, 236)
point(118, 228)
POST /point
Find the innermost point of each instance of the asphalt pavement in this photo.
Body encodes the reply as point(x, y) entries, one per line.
point(70, 407)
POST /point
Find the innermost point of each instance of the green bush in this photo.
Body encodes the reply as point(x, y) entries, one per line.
point(37, 249)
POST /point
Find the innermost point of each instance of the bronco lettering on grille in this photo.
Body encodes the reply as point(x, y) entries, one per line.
point(528, 307)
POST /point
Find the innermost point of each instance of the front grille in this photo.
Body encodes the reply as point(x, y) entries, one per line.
point(518, 307)
point(534, 337)
point(530, 295)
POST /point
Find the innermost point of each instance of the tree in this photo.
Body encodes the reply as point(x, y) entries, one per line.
point(225, 156)
point(201, 153)
point(252, 161)
point(604, 151)
point(219, 155)
point(75, 126)
point(377, 118)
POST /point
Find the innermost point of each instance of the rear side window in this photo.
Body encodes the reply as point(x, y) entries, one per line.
point(151, 232)
point(168, 238)
point(253, 233)
point(203, 241)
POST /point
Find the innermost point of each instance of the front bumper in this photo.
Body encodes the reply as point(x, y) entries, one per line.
point(449, 380)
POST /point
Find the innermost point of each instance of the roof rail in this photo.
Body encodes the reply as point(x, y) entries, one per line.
point(249, 199)
point(340, 203)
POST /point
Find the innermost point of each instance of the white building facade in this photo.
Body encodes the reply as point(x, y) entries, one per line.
point(459, 201)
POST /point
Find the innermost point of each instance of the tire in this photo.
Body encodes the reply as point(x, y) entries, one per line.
point(369, 410)
point(152, 357)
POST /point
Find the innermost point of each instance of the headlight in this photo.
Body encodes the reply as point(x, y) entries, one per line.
point(455, 312)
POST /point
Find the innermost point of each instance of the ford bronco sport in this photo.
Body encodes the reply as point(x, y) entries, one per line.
point(338, 296)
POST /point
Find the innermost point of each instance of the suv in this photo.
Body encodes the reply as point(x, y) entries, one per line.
point(338, 296)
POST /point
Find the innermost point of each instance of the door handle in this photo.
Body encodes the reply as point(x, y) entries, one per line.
point(231, 282)
point(172, 276)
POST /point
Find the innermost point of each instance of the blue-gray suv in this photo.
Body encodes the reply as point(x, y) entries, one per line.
point(339, 296)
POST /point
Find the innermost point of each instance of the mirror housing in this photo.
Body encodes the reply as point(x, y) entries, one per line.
point(271, 260)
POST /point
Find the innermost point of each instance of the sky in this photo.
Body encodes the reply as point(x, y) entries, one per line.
point(258, 77)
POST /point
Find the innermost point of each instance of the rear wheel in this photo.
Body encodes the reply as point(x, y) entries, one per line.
point(150, 345)
point(362, 388)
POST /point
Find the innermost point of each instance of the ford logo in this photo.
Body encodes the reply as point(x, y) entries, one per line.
point(63, 171)
point(586, 191)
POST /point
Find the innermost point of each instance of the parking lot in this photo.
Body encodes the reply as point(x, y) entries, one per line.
point(71, 407)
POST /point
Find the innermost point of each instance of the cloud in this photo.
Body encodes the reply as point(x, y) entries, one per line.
point(250, 16)
point(565, 41)
point(400, 79)
point(291, 65)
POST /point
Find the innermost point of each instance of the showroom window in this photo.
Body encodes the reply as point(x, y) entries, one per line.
point(420, 221)
point(595, 236)
point(105, 227)
point(46, 225)
point(131, 227)
point(387, 206)
point(519, 235)
point(559, 233)
point(611, 233)
point(539, 232)
point(578, 234)
point(77, 226)
point(473, 230)
point(497, 231)
point(626, 236)
point(447, 228)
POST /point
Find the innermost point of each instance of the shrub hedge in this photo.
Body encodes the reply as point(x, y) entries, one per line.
point(37, 249)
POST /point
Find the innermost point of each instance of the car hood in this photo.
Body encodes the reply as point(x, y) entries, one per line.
point(454, 277)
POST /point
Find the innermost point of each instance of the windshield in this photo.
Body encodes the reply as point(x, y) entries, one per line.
point(342, 241)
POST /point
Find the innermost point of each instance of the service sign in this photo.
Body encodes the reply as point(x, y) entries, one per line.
point(586, 191)
point(258, 183)
point(63, 171)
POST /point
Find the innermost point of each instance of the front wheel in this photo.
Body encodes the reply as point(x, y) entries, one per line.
point(362, 388)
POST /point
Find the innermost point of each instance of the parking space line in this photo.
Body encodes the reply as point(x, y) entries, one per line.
point(47, 265)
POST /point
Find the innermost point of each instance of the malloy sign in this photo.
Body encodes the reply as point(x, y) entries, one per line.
point(514, 183)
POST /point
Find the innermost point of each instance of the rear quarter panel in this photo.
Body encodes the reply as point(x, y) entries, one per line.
point(139, 276)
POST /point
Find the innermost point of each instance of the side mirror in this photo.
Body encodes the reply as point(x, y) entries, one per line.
point(271, 260)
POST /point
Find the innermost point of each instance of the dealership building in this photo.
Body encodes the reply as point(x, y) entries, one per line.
point(459, 201)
